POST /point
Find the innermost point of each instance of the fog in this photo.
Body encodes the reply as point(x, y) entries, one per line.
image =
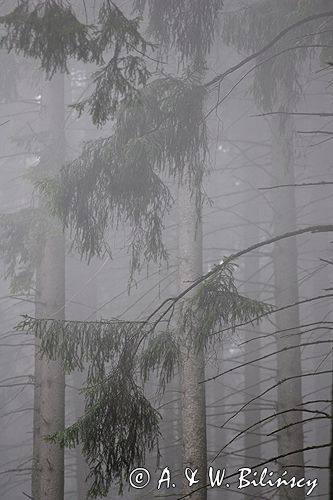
point(166, 249)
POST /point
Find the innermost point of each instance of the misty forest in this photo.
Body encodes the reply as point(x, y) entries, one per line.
point(166, 249)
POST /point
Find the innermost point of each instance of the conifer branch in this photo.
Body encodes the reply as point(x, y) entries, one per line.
point(173, 300)
point(218, 79)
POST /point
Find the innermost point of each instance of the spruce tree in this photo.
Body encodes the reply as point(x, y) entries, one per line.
point(276, 89)
point(159, 130)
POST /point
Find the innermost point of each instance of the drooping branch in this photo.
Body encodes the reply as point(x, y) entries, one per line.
point(219, 78)
point(119, 179)
point(283, 308)
point(51, 33)
point(321, 228)
point(255, 67)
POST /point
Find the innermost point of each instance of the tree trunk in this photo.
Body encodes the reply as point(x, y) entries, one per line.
point(48, 474)
point(252, 414)
point(82, 468)
point(35, 477)
point(286, 292)
point(330, 470)
point(193, 410)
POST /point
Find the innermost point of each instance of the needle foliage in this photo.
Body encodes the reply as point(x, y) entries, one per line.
point(51, 33)
point(121, 178)
point(158, 132)
point(21, 236)
point(120, 423)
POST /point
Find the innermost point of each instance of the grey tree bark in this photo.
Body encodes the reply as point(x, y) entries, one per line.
point(82, 469)
point(330, 466)
point(286, 292)
point(35, 476)
point(193, 408)
point(48, 474)
point(252, 374)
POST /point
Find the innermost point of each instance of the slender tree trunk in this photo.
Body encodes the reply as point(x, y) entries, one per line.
point(330, 470)
point(35, 478)
point(48, 478)
point(82, 468)
point(193, 410)
point(321, 311)
point(320, 362)
point(286, 292)
point(252, 349)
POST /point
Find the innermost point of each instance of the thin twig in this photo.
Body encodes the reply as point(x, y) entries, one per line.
point(303, 184)
point(220, 267)
point(305, 20)
point(273, 459)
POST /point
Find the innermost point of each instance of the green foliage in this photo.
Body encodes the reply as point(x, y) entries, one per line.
point(49, 32)
point(252, 27)
point(218, 304)
point(96, 190)
point(161, 355)
point(119, 179)
point(21, 239)
point(159, 131)
point(188, 26)
point(119, 424)
point(167, 124)
point(118, 427)
point(79, 342)
point(116, 82)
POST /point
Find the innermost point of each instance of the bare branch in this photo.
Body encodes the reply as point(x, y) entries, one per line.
point(273, 459)
point(305, 344)
point(303, 184)
point(293, 113)
point(172, 300)
point(266, 419)
point(303, 421)
point(324, 132)
point(219, 78)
